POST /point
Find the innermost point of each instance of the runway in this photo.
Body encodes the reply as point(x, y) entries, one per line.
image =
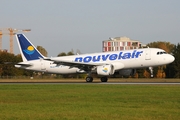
point(96, 81)
point(84, 83)
point(145, 83)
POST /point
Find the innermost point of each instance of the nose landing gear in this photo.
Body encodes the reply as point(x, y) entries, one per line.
point(151, 70)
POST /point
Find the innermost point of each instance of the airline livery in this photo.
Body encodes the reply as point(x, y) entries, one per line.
point(104, 63)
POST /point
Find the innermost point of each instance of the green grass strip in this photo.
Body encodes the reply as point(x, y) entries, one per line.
point(89, 102)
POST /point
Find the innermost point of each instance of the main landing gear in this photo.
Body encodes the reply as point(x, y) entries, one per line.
point(90, 79)
point(104, 79)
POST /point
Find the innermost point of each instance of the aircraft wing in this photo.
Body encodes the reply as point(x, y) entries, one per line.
point(85, 66)
point(80, 65)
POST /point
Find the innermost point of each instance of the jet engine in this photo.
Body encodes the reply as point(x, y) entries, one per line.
point(105, 70)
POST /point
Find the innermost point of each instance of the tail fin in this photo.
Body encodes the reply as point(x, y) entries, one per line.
point(27, 49)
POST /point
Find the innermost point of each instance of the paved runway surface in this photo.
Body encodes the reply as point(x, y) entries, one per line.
point(129, 81)
point(144, 83)
point(112, 83)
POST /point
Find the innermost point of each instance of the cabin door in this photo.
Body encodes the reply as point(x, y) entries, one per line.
point(148, 54)
point(43, 65)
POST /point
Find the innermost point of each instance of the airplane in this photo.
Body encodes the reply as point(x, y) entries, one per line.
point(103, 64)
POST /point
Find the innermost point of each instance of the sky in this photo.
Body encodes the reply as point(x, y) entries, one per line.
point(65, 25)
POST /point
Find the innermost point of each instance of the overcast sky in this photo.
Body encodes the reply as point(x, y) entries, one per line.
point(63, 25)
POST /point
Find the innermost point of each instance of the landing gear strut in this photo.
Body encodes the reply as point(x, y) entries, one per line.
point(151, 70)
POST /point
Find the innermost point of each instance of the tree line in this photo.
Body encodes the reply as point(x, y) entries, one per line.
point(8, 60)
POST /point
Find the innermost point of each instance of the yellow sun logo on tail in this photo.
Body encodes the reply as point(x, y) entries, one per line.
point(30, 50)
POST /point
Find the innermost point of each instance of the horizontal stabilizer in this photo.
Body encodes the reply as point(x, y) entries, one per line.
point(25, 64)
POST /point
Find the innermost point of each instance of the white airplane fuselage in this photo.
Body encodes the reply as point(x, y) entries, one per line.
point(104, 64)
point(127, 59)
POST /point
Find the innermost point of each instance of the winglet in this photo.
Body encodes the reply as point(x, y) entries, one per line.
point(27, 49)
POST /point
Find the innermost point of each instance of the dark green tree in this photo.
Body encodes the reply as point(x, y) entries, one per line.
point(42, 50)
point(62, 54)
point(7, 62)
point(66, 54)
point(140, 73)
point(6, 66)
point(70, 53)
point(174, 68)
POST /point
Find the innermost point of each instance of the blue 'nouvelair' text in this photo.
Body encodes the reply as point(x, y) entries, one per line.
point(111, 57)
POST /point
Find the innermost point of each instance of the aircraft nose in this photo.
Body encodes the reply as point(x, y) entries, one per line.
point(171, 58)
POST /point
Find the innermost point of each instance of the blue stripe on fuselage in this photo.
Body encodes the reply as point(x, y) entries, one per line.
point(111, 57)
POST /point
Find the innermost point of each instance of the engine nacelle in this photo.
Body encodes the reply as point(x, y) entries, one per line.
point(127, 72)
point(105, 70)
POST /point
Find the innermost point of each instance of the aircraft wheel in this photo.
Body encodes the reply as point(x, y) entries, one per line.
point(89, 79)
point(104, 79)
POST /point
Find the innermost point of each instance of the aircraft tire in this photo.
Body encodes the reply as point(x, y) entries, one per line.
point(104, 79)
point(89, 79)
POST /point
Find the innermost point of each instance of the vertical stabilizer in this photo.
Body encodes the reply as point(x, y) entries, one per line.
point(27, 49)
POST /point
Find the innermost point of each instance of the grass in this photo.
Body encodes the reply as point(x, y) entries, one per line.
point(89, 101)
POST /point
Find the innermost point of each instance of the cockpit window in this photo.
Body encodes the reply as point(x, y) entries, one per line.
point(161, 52)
